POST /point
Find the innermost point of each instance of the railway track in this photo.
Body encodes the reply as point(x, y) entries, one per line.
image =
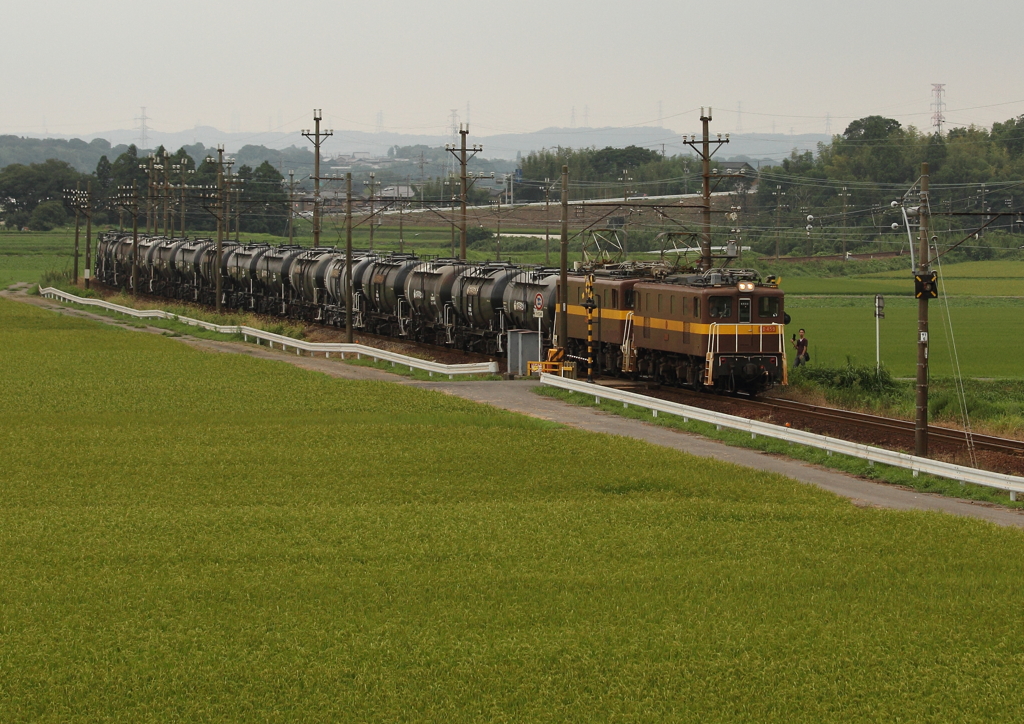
point(833, 415)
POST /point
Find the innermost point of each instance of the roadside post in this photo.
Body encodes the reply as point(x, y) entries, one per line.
point(879, 314)
point(538, 313)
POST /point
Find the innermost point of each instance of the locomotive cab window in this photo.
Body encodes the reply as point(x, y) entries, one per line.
point(720, 307)
point(768, 307)
point(615, 298)
point(745, 311)
point(696, 307)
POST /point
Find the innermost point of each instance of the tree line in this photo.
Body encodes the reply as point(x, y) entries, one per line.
point(32, 195)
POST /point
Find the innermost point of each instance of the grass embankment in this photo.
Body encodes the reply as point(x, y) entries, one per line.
point(854, 466)
point(195, 536)
point(993, 406)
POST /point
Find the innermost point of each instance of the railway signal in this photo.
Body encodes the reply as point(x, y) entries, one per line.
point(926, 285)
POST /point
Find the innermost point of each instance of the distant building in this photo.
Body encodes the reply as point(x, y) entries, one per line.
point(740, 167)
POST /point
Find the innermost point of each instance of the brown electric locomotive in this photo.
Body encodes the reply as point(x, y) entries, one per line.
point(722, 329)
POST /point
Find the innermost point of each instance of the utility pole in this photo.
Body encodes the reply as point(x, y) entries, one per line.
point(464, 154)
point(148, 168)
point(317, 137)
point(705, 154)
point(845, 197)
point(130, 203)
point(547, 222)
point(401, 220)
point(185, 170)
point(563, 303)
point(78, 189)
point(923, 264)
point(348, 257)
point(291, 207)
point(372, 183)
point(88, 232)
point(778, 193)
point(220, 220)
point(165, 167)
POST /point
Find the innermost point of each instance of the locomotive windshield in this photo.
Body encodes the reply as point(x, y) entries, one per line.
point(768, 307)
point(720, 307)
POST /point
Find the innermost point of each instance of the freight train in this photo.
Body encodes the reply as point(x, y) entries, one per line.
point(722, 329)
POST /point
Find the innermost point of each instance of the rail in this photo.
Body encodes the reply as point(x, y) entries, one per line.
point(963, 473)
point(360, 350)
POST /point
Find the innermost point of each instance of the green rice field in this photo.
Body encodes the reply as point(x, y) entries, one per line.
point(845, 327)
point(197, 536)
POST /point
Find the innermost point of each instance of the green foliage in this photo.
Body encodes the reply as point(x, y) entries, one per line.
point(860, 380)
point(201, 536)
point(47, 215)
point(23, 188)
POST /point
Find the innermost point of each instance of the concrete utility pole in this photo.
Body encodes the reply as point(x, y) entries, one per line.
point(348, 257)
point(317, 137)
point(463, 154)
point(563, 302)
point(705, 154)
point(923, 266)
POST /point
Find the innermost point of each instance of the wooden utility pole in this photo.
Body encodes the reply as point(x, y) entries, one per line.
point(372, 183)
point(705, 154)
point(778, 193)
point(135, 240)
point(348, 257)
point(463, 154)
point(845, 197)
point(221, 208)
point(166, 168)
point(547, 222)
point(291, 207)
point(317, 137)
point(563, 302)
point(78, 190)
point(184, 174)
point(923, 264)
point(88, 232)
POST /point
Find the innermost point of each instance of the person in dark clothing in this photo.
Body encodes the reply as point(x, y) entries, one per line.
point(801, 349)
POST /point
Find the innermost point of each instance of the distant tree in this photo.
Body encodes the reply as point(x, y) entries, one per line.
point(104, 175)
point(48, 215)
point(23, 188)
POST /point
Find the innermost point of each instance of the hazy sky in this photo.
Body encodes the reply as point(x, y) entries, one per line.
point(86, 66)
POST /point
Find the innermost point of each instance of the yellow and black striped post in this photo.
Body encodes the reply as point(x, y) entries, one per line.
point(589, 305)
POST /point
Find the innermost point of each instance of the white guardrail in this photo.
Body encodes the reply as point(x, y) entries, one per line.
point(341, 349)
point(1012, 483)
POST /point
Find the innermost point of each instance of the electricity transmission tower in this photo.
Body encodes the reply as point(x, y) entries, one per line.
point(938, 106)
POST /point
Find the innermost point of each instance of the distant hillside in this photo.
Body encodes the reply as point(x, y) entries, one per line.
point(508, 146)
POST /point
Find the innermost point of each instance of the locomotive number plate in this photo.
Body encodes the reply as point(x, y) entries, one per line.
point(770, 329)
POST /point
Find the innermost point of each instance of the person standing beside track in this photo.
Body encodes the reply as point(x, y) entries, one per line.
point(801, 350)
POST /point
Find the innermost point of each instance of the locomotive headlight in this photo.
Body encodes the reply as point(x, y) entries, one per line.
point(746, 286)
